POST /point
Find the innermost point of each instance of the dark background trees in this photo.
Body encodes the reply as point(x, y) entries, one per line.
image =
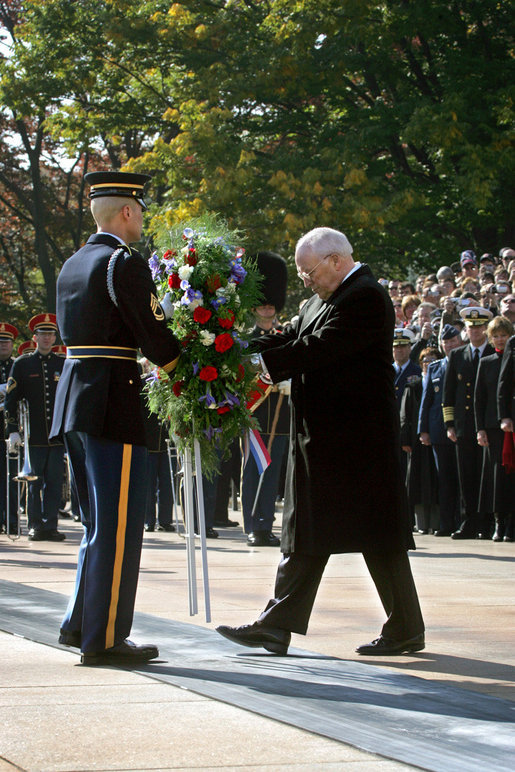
point(392, 121)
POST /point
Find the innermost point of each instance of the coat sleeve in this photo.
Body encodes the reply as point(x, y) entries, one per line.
point(342, 335)
point(138, 304)
point(480, 397)
point(449, 391)
point(425, 403)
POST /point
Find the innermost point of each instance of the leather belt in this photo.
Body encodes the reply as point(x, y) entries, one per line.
point(103, 352)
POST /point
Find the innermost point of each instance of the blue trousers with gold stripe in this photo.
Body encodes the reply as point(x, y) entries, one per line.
point(110, 481)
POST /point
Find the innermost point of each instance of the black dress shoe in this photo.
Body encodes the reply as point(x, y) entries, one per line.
point(125, 653)
point(270, 638)
point(168, 527)
point(211, 533)
point(70, 638)
point(226, 523)
point(442, 533)
point(463, 535)
point(52, 535)
point(65, 514)
point(149, 528)
point(384, 646)
point(262, 539)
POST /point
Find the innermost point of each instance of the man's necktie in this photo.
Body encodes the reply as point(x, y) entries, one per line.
point(476, 359)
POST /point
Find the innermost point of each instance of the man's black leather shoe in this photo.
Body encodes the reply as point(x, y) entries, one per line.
point(125, 653)
point(149, 528)
point(262, 539)
point(385, 646)
point(52, 535)
point(463, 535)
point(270, 638)
point(226, 523)
point(168, 527)
point(211, 533)
point(442, 533)
point(70, 638)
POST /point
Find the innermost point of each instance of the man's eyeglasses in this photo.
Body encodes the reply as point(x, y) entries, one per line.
point(304, 275)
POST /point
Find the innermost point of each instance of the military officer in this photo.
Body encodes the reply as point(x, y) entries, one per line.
point(34, 378)
point(406, 371)
point(8, 333)
point(107, 309)
point(272, 413)
point(432, 432)
point(458, 414)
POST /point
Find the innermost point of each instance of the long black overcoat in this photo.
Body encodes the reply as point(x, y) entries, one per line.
point(344, 488)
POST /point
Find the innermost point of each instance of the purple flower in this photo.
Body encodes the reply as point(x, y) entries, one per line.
point(208, 397)
point(239, 341)
point(196, 368)
point(154, 265)
point(219, 301)
point(211, 431)
point(238, 272)
point(231, 399)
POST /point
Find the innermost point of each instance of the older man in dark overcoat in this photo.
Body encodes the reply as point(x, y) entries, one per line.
point(344, 489)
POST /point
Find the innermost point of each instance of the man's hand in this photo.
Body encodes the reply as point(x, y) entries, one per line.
point(451, 433)
point(507, 425)
point(13, 441)
point(284, 388)
point(406, 448)
point(482, 438)
point(425, 439)
point(426, 331)
point(167, 305)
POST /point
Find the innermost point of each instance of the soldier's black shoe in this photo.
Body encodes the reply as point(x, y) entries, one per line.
point(262, 539)
point(382, 647)
point(226, 523)
point(463, 535)
point(52, 535)
point(149, 528)
point(270, 638)
point(70, 638)
point(168, 527)
point(125, 653)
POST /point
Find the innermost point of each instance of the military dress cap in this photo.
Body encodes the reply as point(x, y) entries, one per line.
point(43, 323)
point(26, 347)
point(275, 274)
point(124, 184)
point(59, 350)
point(473, 316)
point(8, 331)
point(403, 337)
point(448, 332)
point(468, 257)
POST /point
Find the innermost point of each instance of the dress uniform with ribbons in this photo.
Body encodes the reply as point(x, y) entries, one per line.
point(107, 309)
point(34, 378)
point(8, 332)
point(458, 413)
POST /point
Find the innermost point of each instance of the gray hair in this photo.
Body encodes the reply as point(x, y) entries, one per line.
point(326, 240)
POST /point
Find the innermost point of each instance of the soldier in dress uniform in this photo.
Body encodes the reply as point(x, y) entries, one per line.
point(34, 378)
point(8, 333)
point(107, 308)
point(272, 413)
point(433, 433)
point(27, 347)
point(458, 414)
point(406, 371)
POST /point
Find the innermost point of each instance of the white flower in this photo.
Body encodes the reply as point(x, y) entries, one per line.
point(194, 303)
point(207, 338)
point(185, 271)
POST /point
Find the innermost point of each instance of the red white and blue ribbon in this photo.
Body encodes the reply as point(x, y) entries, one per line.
point(252, 443)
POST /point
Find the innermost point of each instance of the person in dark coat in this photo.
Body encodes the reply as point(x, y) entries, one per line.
point(421, 476)
point(497, 490)
point(458, 415)
point(506, 415)
point(344, 488)
point(272, 414)
point(107, 308)
point(8, 333)
point(34, 378)
point(432, 431)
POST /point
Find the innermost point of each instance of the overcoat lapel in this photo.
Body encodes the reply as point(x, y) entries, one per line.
point(315, 312)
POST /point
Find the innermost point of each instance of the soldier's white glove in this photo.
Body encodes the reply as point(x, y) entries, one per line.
point(13, 441)
point(284, 387)
point(167, 306)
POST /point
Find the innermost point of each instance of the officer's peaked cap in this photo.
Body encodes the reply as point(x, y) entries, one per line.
point(124, 184)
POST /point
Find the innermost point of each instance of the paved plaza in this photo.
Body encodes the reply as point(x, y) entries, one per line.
point(208, 704)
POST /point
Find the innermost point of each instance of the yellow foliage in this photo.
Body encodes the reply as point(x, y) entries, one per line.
point(292, 222)
point(185, 211)
point(201, 31)
point(354, 178)
point(326, 204)
point(177, 12)
point(317, 188)
point(171, 114)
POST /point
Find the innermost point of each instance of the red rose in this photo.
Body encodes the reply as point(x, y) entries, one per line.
point(214, 282)
point(241, 373)
point(192, 257)
point(223, 342)
point(222, 410)
point(169, 253)
point(228, 321)
point(202, 315)
point(208, 373)
point(174, 281)
point(177, 388)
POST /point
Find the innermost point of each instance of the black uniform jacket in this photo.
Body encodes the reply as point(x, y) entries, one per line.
point(485, 393)
point(506, 385)
point(458, 391)
point(344, 488)
point(5, 369)
point(34, 377)
point(96, 395)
